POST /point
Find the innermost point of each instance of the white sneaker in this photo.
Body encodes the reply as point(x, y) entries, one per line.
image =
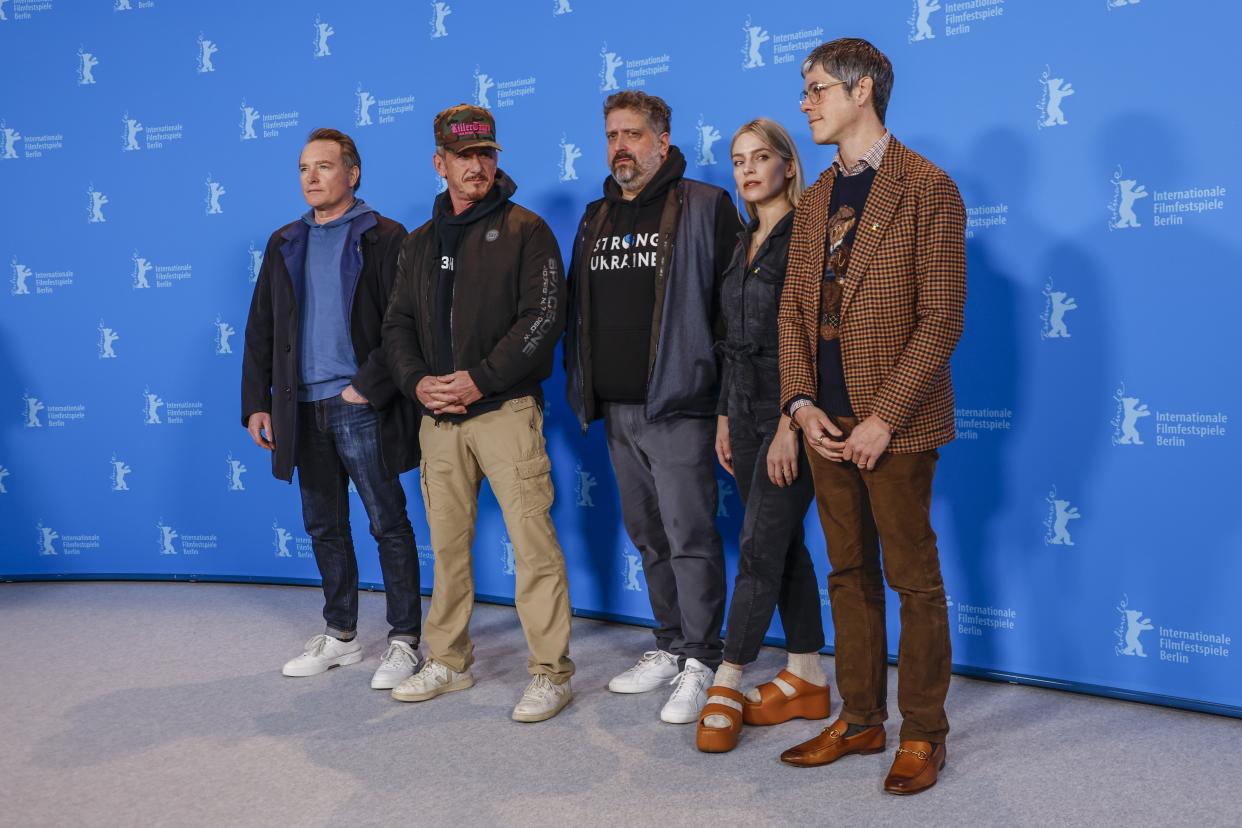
point(653, 670)
point(542, 700)
point(431, 681)
point(323, 652)
point(400, 661)
point(689, 695)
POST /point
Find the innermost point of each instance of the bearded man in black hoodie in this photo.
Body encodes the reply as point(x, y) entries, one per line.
point(475, 314)
point(648, 261)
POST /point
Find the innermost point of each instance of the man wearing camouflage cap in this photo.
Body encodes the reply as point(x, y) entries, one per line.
point(475, 314)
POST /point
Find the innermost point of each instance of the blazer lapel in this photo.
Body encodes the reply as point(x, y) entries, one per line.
point(882, 203)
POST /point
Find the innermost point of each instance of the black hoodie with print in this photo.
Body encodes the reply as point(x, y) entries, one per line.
point(622, 269)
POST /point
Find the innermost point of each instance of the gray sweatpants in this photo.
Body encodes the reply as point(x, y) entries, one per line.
point(666, 478)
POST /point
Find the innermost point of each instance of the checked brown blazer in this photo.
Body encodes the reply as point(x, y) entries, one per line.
point(903, 299)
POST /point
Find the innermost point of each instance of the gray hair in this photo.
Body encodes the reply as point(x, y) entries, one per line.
point(850, 59)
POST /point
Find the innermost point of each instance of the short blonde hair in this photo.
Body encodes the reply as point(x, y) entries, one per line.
point(776, 137)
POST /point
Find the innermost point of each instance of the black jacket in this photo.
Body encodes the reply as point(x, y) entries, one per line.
point(750, 380)
point(269, 367)
point(698, 229)
point(508, 304)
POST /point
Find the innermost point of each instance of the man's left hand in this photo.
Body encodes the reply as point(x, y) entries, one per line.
point(867, 442)
point(351, 395)
point(460, 387)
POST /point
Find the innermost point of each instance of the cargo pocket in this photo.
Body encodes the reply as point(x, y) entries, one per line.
point(535, 484)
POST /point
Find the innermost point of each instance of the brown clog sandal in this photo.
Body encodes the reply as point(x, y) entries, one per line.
point(720, 739)
point(809, 701)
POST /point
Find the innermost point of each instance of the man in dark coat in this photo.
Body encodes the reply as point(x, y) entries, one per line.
point(317, 393)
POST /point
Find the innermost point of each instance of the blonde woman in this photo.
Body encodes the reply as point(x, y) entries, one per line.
point(755, 444)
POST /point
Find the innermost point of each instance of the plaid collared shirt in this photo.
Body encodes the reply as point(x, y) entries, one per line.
point(871, 158)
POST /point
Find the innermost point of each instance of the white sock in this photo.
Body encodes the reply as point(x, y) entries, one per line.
point(806, 666)
point(727, 675)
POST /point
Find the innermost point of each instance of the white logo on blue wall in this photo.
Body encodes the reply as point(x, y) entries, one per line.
point(633, 567)
point(1125, 422)
point(1057, 304)
point(569, 154)
point(130, 127)
point(249, 116)
point(439, 11)
point(323, 31)
point(10, 138)
point(441, 184)
point(352, 488)
point(120, 470)
point(122, 5)
point(206, 49)
point(151, 404)
point(1131, 626)
point(1126, 191)
point(506, 556)
point(214, 191)
point(281, 541)
point(86, 66)
point(236, 470)
point(1056, 524)
point(608, 74)
point(141, 268)
point(362, 112)
point(1116, 4)
point(723, 489)
point(2, 14)
point(708, 136)
point(33, 407)
point(560, 7)
point(920, 23)
point(47, 539)
point(107, 338)
point(1054, 90)
point(756, 36)
point(20, 280)
point(483, 84)
point(256, 262)
point(3, 474)
point(167, 536)
point(223, 331)
point(95, 202)
point(582, 487)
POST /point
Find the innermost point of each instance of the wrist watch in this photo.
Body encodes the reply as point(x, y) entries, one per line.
point(793, 408)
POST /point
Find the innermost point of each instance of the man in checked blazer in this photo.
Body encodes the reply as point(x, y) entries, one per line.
point(872, 309)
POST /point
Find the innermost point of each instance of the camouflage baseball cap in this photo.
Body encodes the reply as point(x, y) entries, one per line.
point(464, 126)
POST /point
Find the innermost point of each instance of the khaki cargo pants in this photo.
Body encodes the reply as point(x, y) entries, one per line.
point(506, 446)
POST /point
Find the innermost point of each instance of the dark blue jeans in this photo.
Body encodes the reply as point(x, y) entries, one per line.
point(337, 442)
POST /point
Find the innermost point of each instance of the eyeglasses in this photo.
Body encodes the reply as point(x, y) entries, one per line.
point(817, 89)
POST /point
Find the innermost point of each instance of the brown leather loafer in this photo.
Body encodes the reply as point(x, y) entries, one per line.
point(832, 744)
point(916, 768)
point(809, 701)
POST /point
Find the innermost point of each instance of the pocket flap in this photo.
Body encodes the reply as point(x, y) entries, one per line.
point(527, 469)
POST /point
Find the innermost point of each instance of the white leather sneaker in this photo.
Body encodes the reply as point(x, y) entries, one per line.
point(689, 694)
point(653, 670)
point(323, 652)
point(400, 661)
point(542, 700)
point(431, 681)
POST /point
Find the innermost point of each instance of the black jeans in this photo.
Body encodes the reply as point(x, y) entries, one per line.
point(774, 569)
point(668, 504)
point(337, 442)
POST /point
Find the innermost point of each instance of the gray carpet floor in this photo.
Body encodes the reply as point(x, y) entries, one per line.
point(143, 704)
